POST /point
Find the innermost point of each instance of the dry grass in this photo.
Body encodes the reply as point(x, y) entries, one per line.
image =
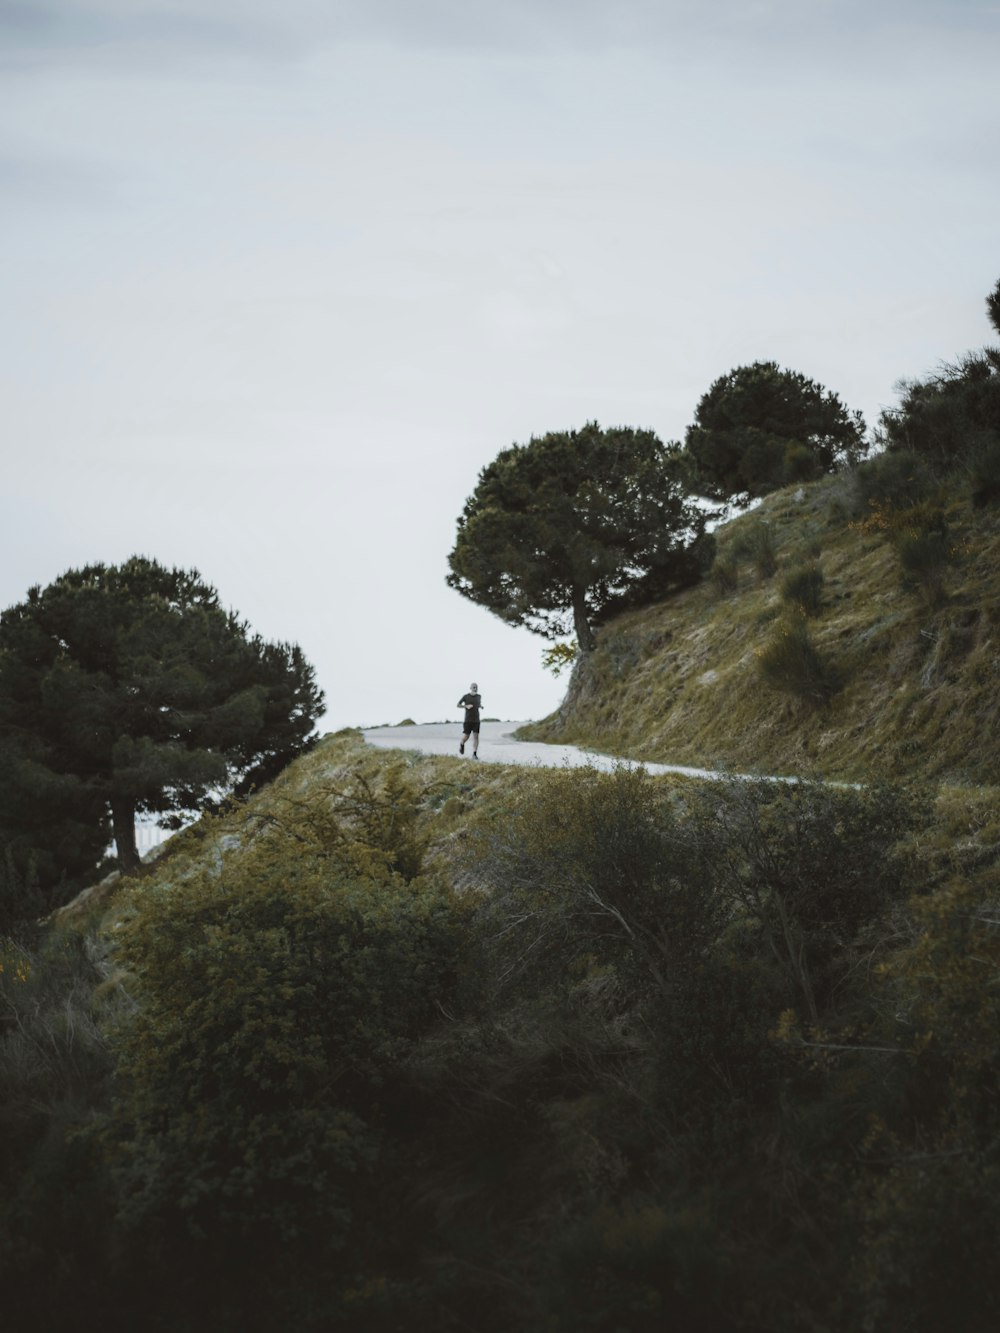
point(678, 682)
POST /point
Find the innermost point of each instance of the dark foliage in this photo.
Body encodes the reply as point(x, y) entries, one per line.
point(759, 428)
point(900, 477)
point(803, 588)
point(947, 416)
point(128, 689)
point(954, 415)
point(792, 663)
point(575, 526)
point(984, 472)
point(757, 545)
point(683, 1056)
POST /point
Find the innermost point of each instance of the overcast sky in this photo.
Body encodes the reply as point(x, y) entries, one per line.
point(281, 277)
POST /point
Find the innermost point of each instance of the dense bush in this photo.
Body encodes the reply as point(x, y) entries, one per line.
point(791, 663)
point(757, 544)
point(803, 589)
point(900, 477)
point(927, 1189)
point(924, 553)
point(952, 415)
point(55, 1069)
point(922, 541)
point(680, 1052)
point(277, 1000)
point(809, 865)
point(762, 899)
point(589, 870)
point(243, 1161)
point(760, 427)
point(984, 472)
point(944, 417)
point(725, 575)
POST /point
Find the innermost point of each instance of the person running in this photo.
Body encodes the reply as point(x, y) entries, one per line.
point(471, 702)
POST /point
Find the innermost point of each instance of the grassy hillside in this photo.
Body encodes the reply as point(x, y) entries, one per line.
point(916, 655)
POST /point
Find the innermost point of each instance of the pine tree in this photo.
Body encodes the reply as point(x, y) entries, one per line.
point(130, 689)
point(574, 526)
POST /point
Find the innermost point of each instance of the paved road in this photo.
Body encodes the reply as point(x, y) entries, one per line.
point(497, 745)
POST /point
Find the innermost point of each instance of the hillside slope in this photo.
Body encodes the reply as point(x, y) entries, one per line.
point(919, 667)
point(408, 1042)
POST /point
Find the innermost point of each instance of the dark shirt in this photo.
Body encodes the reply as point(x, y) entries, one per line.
point(471, 703)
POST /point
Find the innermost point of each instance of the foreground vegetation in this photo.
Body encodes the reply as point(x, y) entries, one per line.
point(397, 1045)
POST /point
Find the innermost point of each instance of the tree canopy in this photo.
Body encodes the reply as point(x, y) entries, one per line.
point(760, 427)
point(575, 525)
point(953, 414)
point(127, 689)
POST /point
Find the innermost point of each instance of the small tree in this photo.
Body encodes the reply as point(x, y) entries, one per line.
point(128, 689)
point(759, 428)
point(575, 525)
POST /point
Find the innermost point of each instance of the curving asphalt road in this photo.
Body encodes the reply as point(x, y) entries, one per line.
point(497, 745)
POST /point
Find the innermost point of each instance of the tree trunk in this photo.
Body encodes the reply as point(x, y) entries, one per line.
point(123, 826)
point(584, 634)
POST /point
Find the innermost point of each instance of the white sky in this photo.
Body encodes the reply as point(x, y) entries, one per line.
point(281, 277)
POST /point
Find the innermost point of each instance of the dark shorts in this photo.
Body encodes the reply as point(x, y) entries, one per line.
point(471, 723)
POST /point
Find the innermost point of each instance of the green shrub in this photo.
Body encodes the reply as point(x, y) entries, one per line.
point(920, 536)
point(924, 548)
point(803, 588)
point(711, 1043)
point(757, 544)
point(277, 999)
point(944, 416)
point(588, 871)
point(364, 825)
point(923, 556)
point(725, 575)
point(811, 864)
point(900, 478)
point(791, 663)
